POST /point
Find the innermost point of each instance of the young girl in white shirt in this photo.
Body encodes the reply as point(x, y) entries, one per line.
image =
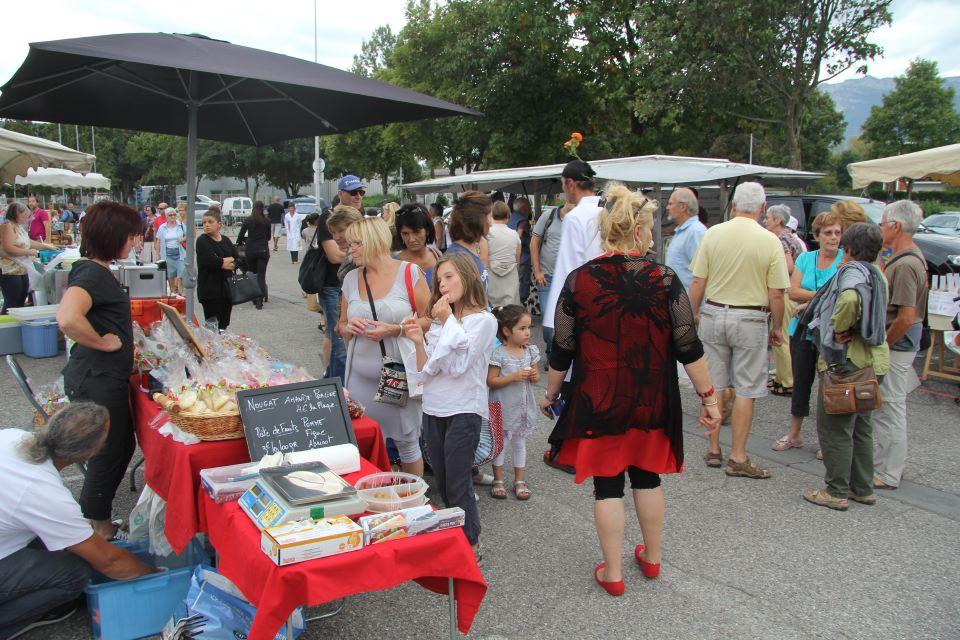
point(453, 359)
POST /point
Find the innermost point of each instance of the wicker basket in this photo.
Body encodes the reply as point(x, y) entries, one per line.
point(212, 426)
point(225, 425)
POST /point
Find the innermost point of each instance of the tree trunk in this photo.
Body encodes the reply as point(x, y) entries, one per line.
point(792, 123)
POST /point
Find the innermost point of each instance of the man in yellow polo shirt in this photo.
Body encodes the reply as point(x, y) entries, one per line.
point(741, 273)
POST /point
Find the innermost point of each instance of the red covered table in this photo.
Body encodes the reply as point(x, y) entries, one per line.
point(435, 561)
point(172, 469)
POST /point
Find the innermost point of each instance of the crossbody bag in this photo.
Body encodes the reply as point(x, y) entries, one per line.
point(392, 388)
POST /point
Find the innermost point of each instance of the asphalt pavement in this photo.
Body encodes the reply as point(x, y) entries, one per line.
point(742, 558)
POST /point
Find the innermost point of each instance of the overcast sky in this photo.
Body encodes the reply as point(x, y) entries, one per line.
point(921, 28)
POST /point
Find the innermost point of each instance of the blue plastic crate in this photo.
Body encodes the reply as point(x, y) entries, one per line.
point(129, 609)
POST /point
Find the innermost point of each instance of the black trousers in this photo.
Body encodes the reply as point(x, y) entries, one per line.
point(803, 356)
point(105, 470)
point(34, 581)
point(293, 256)
point(15, 291)
point(605, 488)
point(219, 309)
point(452, 442)
point(257, 262)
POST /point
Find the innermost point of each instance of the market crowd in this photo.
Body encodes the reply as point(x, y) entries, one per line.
point(450, 297)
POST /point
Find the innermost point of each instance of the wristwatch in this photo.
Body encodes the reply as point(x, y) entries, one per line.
point(547, 397)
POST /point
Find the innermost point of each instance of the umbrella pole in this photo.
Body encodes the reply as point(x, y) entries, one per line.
point(190, 277)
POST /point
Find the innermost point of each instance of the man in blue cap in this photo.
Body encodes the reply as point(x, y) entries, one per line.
point(351, 192)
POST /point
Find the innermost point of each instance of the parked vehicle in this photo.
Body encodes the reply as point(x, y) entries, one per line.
point(236, 209)
point(941, 252)
point(201, 198)
point(946, 223)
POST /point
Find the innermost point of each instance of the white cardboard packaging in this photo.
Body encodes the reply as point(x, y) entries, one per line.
point(293, 542)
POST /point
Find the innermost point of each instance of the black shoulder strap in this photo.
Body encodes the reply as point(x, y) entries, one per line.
point(553, 214)
point(373, 308)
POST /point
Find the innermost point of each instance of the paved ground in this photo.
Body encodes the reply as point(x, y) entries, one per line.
point(743, 558)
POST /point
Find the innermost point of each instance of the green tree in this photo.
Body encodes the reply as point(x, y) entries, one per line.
point(289, 165)
point(509, 59)
point(918, 114)
point(689, 70)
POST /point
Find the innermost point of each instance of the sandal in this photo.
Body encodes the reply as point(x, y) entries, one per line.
point(498, 491)
point(483, 479)
point(823, 499)
point(520, 490)
point(478, 556)
point(785, 443)
point(714, 460)
point(869, 500)
point(778, 389)
point(880, 484)
point(746, 469)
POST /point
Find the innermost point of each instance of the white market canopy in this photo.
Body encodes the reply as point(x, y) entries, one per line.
point(62, 179)
point(638, 171)
point(19, 152)
point(939, 163)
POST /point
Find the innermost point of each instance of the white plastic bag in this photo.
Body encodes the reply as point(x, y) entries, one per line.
point(147, 520)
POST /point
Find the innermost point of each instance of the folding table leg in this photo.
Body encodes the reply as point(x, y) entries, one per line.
point(453, 610)
point(341, 603)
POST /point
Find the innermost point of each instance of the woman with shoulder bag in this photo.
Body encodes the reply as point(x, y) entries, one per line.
point(376, 298)
point(255, 232)
point(216, 261)
point(850, 336)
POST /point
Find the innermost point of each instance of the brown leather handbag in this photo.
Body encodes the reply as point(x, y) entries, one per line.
point(846, 392)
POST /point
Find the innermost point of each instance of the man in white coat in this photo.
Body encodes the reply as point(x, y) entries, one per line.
point(579, 242)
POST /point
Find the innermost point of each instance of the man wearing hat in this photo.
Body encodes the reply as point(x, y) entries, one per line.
point(351, 191)
point(580, 241)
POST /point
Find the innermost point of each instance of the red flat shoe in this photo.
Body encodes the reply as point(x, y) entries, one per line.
point(649, 569)
point(613, 588)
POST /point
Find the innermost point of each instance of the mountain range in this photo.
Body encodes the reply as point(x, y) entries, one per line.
point(855, 97)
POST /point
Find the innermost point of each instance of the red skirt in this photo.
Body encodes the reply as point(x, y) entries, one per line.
point(609, 456)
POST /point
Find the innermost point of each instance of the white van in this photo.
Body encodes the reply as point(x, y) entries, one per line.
point(237, 209)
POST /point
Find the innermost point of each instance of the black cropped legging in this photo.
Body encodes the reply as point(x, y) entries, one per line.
point(605, 488)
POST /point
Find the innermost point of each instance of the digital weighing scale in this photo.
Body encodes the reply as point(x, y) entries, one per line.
point(296, 492)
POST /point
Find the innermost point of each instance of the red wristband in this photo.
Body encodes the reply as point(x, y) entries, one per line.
point(706, 394)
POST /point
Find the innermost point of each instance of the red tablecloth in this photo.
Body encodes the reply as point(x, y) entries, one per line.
point(172, 469)
point(276, 591)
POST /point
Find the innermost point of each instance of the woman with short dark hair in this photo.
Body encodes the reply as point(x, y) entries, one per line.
point(255, 234)
point(95, 314)
point(415, 238)
point(216, 260)
point(469, 225)
point(849, 334)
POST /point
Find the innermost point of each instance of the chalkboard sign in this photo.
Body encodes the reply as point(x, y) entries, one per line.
point(295, 417)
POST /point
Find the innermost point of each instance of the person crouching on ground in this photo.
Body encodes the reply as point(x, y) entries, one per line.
point(47, 548)
point(625, 320)
point(453, 360)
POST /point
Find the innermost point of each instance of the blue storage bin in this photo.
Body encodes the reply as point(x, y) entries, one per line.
point(10, 338)
point(39, 338)
point(129, 609)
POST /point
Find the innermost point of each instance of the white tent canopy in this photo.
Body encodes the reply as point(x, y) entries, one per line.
point(638, 171)
point(939, 163)
point(19, 152)
point(62, 179)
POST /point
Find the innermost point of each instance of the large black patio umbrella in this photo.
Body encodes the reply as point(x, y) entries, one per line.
point(202, 88)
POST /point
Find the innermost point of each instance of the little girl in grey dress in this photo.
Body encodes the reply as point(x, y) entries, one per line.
point(512, 377)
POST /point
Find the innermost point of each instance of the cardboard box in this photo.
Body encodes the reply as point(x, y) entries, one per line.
point(405, 523)
point(293, 542)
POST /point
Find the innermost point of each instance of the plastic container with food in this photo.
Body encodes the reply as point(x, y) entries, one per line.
point(391, 491)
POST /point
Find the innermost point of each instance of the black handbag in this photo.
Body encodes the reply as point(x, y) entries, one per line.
point(244, 287)
point(392, 388)
point(313, 267)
